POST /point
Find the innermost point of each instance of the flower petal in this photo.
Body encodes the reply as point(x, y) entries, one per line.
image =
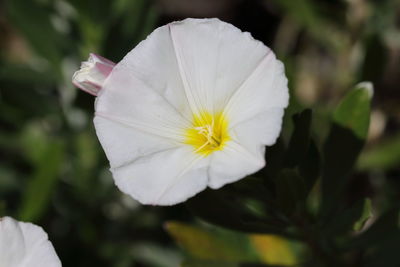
point(268, 83)
point(123, 143)
point(233, 163)
point(163, 178)
point(261, 130)
point(153, 62)
point(25, 244)
point(252, 135)
point(214, 59)
point(126, 97)
point(133, 119)
point(12, 247)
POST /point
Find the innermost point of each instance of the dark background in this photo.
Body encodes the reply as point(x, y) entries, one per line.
point(53, 171)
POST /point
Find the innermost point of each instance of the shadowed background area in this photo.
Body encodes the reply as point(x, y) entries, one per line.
point(54, 173)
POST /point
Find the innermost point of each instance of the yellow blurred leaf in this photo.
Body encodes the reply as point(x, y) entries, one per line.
point(273, 249)
point(208, 245)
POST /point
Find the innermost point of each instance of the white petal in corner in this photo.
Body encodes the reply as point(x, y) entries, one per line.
point(25, 245)
point(166, 177)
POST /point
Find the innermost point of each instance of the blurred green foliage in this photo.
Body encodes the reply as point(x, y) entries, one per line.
point(329, 195)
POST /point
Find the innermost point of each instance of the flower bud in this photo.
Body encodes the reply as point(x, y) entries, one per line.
point(92, 74)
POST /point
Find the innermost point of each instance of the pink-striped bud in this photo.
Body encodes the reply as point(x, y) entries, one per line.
point(92, 74)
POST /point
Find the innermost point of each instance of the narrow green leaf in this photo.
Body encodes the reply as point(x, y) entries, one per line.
point(366, 214)
point(46, 156)
point(290, 189)
point(40, 187)
point(310, 167)
point(274, 156)
point(300, 139)
point(343, 145)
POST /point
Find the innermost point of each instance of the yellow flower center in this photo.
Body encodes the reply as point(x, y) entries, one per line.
point(208, 133)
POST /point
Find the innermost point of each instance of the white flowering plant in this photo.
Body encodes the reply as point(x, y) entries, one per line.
point(194, 142)
point(194, 106)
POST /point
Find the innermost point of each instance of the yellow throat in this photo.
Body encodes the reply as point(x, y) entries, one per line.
point(209, 133)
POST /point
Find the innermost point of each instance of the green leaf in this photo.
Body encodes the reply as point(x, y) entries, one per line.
point(303, 153)
point(353, 112)
point(346, 220)
point(210, 245)
point(46, 155)
point(382, 156)
point(253, 187)
point(274, 249)
point(300, 139)
point(225, 210)
point(310, 167)
point(343, 145)
point(275, 156)
point(257, 197)
point(290, 190)
point(383, 228)
point(215, 244)
point(40, 187)
point(366, 214)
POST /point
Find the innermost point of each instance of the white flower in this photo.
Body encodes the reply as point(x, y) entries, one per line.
point(193, 105)
point(25, 245)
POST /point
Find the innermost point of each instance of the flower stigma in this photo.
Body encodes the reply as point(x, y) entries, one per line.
point(208, 133)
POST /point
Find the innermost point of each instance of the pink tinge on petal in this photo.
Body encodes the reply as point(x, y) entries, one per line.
point(92, 74)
